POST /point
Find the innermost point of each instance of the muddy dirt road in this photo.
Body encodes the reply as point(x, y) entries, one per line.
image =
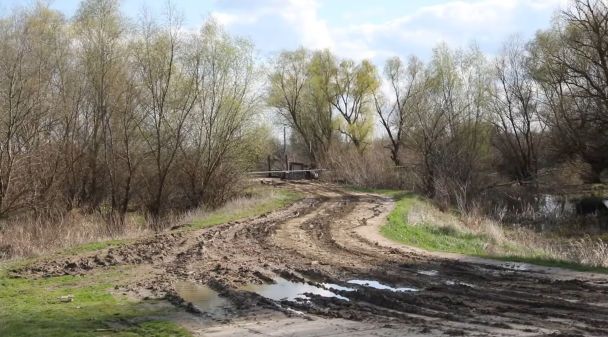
point(319, 268)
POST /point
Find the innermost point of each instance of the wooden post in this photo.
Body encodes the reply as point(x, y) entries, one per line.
point(286, 174)
point(286, 167)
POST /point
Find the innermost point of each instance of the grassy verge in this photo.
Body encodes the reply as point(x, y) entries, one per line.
point(94, 246)
point(438, 231)
point(433, 236)
point(261, 201)
point(35, 308)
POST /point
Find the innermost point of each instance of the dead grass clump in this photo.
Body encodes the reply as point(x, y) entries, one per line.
point(512, 240)
point(371, 168)
point(480, 224)
point(494, 231)
point(472, 222)
point(587, 251)
point(424, 212)
point(232, 207)
point(29, 236)
point(26, 235)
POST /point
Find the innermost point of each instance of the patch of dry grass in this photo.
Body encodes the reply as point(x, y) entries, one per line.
point(417, 222)
point(370, 169)
point(258, 202)
point(26, 236)
point(588, 251)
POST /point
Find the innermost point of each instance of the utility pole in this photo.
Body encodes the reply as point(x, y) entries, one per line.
point(285, 152)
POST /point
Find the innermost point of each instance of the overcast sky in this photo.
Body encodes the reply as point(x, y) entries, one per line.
point(374, 29)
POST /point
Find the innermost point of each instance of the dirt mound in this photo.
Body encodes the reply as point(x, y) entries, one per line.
point(147, 251)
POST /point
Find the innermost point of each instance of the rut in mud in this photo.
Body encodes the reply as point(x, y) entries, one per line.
point(318, 241)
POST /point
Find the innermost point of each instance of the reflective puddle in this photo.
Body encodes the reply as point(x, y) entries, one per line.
point(292, 291)
point(202, 297)
point(516, 266)
point(453, 283)
point(207, 300)
point(378, 285)
point(428, 272)
point(336, 287)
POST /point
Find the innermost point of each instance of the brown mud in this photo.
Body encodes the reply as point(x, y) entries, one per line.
point(328, 238)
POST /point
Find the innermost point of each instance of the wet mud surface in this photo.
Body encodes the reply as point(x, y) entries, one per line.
point(324, 270)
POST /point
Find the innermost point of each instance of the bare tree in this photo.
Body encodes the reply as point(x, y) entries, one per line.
point(394, 112)
point(571, 68)
point(29, 55)
point(352, 97)
point(123, 147)
point(299, 87)
point(168, 96)
point(226, 101)
point(96, 116)
point(99, 27)
point(515, 112)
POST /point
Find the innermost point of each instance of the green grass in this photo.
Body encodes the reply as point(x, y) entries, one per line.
point(32, 308)
point(94, 246)
point(279, 198)
point(453, 239)
point(431, 237)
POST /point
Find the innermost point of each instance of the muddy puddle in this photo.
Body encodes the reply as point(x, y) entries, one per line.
point(516, 266)
point(295, 291)
point(458, 283)
point(209, 301)
point(336, 287)
point(299, 291)
point(202, 297)
point(380, 286)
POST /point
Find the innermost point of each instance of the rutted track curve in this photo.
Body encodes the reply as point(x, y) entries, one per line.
point(322, 239)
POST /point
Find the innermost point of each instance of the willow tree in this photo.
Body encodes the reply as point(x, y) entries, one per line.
point(320, 119)
point(226, 103)
point(31, 48)
point(168, 95)
point(448, 129)
point(299, 89)
point(516, 112)
point(99, 30)
point(570, 63)
point(406, 85)
point(354, 86)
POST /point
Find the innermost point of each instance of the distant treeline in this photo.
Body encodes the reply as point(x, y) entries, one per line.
point(102, 114)
point(461, 119)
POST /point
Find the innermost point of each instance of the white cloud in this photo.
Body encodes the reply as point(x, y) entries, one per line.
point(456, 22)
point(548, 4)
point(300, 15)
point(227, 19)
